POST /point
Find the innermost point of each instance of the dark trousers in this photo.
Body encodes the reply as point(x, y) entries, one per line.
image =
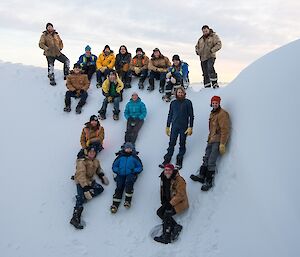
point(125, 76)
point(96, 145)
point(124, 182)
point(161, 76)
point(101, 74)
point(83, 96)
point(143, 75)
point(175, 132)
point(211, 155)
point(116, 102)
point(170, 86)
point(209, 73)
point(95, 189)
point(89, 70)
point(62, 58)
point(166, 213)
point(133, 128)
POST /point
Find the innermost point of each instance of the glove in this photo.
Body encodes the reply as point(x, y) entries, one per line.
point(169, 74)
point(103, 69)
point(173, 80)
point(189, 131)
point(168, 131)
point(88, 195)
point(222, 149)
point(137, 70)
point(110, 99)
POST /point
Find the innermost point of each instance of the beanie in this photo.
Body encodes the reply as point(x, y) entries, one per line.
point(128, 145)
point(76, 65)
point(169, 166)
point(88, 48)
point(215, 99)
point(139, 49)
point(107, 46)
point(49, 24)
point(94, 117)
point(175, 57)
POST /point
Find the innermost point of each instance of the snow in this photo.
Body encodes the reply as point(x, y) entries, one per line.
point(252, 211)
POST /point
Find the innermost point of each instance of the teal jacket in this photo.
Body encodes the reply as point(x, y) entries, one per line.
point(135, 109)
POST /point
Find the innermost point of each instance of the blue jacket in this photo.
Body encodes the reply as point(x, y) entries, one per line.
point(126, 164)
point(135, 109)
point(87, 61)
point(182, 73)
point(181, 114)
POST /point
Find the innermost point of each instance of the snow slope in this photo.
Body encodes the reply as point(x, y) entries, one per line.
point(252, 211)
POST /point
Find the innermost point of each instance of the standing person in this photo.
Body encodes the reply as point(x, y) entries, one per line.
point(139, 66)
point(127, 166)
point(158, 67)
point(52, 45)
point(135, 113)
point(123, 60)
point(105, 63)
point(181, 121)
point(207, 46)
point(87, 62)
point(174, 200)
point(112, 90)
point(77, 84)
point(87, 187)
point(177, 73)
point(92, 135)
point(219, 131)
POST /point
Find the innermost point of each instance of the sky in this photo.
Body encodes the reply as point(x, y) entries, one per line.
point(248, 29)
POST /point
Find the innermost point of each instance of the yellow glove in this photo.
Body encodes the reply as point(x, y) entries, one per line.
point(88, 195)
point(137, 70)
point(222, 149)
point(103, 69)
point(189, 131)
point(110, 99)
point(88, 143)
point(169, 74)
point(168, 131)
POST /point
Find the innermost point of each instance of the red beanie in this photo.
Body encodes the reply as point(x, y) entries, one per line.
point(169, 166)
point(215, 99)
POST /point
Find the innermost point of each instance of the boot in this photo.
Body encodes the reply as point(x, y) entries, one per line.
point(52, 79)
point(116, 115)
point(162, 86)
point(75, 221)
point(151, 85)
point(102, 115)
point(179, 161)
point(176, 231)
point(67, 109)
point(208, 181)
point(165, 238)
point(141, 85)
point(113, 209)
point(128, 198)
point(201, 177)
point(78, 109)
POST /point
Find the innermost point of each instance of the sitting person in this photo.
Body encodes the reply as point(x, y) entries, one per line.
point(135, 113)
point(127, 166)
point(158, 67)
point(92, 135)
point(139, 66)
point(77, 84)
point(87, 62)
point(123, 60)
point(176, 75)
point(87, 187)
point(112, 90)
point(174, 200)
point(105, 63)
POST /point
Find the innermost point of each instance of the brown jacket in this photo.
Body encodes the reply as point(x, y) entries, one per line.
point(51, 43)
point(86, 169)
point(207, 47)
point(160, 64)
point(219, 126)
point(91, 134)
point(179, 198)
point(141, 63)
point(77, 82)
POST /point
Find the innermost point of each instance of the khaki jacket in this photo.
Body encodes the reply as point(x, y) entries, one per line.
point(160, 64)
point(51, 43)
point(77, 82)
point(219, 127)
point(86, 169)
point(92, 135)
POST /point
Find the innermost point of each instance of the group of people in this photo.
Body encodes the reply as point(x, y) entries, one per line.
point(114, 73)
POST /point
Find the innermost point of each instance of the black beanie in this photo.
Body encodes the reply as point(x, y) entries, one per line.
point(76, 65)
point(139, 49)
point(49, 24)
point(175, 57)
point(107, 46)
point(94, 117)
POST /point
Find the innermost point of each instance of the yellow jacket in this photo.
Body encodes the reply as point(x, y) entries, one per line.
point(106, 61)
point(106, 87)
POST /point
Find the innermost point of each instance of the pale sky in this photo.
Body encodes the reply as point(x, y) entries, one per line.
point(248, 30)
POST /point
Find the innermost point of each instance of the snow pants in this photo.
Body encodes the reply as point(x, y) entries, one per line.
point(124, 182)
point(133, 128)
point(61, 58)
point(83, 96)
point(211, 155)
point(89, 70)
point(209, 73)
point(116, 102)
point(175, 132)
point(95, 189)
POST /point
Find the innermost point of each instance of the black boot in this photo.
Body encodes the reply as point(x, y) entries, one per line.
point(209, 181)
point(162, 86)
point(151, 85)
point(176, 231)
point(128, 198)
point(102, 115)
point(179, 161)
point(67, 109)
point(202, 173)
point(116, 115)
point(165, 238)
point(75, 221)
point(78, 109)
point(52, 79)
point(115, 205)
